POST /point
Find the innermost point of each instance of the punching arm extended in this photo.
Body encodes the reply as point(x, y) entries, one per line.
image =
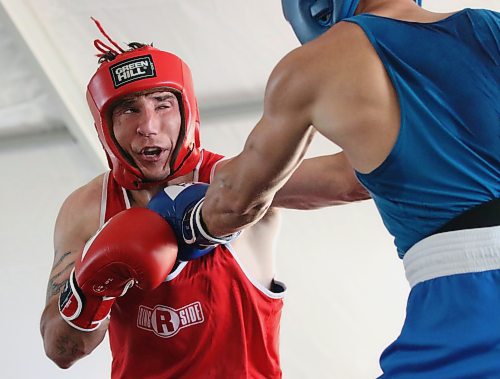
point(243, 189)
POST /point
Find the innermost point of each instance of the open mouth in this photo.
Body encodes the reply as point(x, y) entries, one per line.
point(151, 153)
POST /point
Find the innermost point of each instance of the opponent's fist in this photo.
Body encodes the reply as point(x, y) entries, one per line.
point(180, 205)
point(135, 247)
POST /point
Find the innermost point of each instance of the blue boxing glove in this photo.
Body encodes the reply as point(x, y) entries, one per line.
point(180, 206)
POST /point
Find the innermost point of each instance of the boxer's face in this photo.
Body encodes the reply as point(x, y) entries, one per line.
point(147, 126)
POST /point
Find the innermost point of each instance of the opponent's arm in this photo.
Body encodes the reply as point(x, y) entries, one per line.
point(242, 190)
point(321, 182)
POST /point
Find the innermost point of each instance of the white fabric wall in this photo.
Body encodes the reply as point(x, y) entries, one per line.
point(37, 175)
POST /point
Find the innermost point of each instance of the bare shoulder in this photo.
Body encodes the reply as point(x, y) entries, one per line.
point(345, 40)
point(291, 82)
point(331, 61)
point(355, 104)
point(81, 209)
point(341, 55)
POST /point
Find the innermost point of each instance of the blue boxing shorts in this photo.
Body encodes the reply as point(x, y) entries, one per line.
point(452, 326)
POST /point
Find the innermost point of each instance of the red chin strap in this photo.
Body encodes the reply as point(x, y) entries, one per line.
point(123, 73)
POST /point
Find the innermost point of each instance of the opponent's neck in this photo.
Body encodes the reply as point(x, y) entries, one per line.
point(404, 10)
point(387, 8)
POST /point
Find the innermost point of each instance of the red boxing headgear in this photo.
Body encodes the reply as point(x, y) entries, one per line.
point(137, 70)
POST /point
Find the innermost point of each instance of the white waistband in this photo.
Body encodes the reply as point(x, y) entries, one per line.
point(456, 252)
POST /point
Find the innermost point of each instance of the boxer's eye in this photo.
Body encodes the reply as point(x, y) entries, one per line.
point(324, 17)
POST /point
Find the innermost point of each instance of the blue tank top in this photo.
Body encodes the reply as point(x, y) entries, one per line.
point(446, 158)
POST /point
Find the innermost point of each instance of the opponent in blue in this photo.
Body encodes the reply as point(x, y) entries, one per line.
point(413, 99)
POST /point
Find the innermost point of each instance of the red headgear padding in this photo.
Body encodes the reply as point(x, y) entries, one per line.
point(138, 70)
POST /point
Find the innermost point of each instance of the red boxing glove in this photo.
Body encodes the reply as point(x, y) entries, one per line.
point(135, 247)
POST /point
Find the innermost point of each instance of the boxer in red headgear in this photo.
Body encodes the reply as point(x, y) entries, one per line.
point(130, 72)
point(114, 267)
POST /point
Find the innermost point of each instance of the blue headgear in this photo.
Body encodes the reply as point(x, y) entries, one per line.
point(311, 18)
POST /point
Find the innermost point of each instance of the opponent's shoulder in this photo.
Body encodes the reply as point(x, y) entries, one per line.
point(291, 77)
point(343, 38)
point(342, 53)
point(291, 90)
point(79, 213)
point(302, 74)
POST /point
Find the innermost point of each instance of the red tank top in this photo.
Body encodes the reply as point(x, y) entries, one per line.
point(207, 320)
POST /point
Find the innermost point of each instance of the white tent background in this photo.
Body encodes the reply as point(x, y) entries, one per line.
point(347, 290)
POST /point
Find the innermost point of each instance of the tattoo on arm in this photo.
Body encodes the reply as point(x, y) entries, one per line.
point(54, 286)
point(58, 262)
point(67, 347)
